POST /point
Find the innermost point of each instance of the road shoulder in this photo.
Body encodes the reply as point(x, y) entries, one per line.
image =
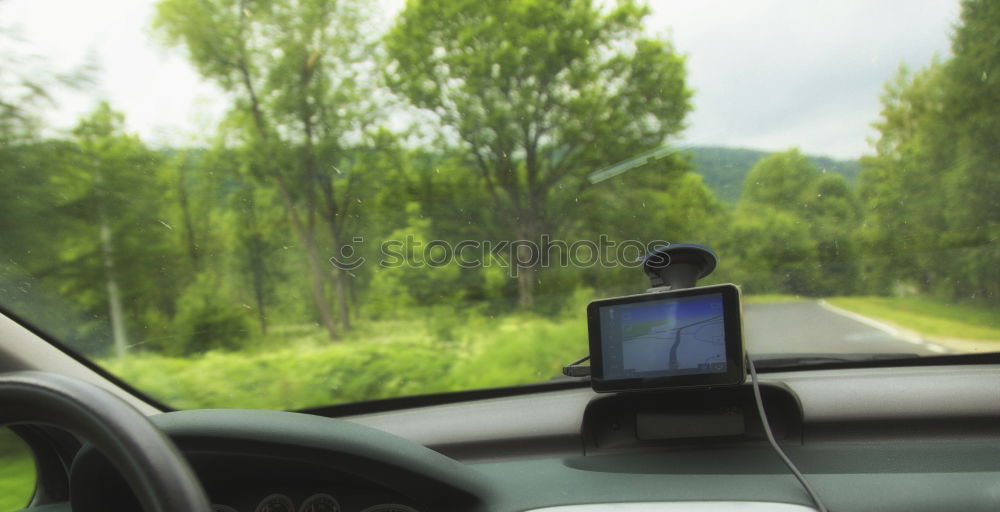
point(937, 344)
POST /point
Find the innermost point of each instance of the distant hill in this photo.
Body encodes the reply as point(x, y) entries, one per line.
point(723, 169)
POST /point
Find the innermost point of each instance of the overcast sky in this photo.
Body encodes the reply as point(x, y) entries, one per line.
point(766, 74)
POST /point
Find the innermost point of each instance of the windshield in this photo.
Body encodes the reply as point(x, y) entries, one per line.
point(296, 203)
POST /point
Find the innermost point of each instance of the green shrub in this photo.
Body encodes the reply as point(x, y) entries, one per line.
point(208, 319)
point(403, 356)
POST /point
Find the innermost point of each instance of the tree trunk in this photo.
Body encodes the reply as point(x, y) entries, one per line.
point(526, 278)
point(257, 277)
point(254, 246)
point(118, 333)
point(527, 261)
point(306, 236)
point(182, 195)
point(329, 214)
point(316, 267)
point(340, 283)
point(343, 298)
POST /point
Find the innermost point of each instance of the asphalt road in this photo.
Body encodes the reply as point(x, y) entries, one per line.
point(809, 327)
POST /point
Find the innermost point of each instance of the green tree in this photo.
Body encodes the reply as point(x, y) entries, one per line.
point(930, 190)
point(110, 243)
point(786, 195)
point(27, 83)
point(539, 93)
point(450, 200)
point(653, 203)
point(31, 223)
point(771, 251)
point(781, 180)
point(973, 176)
point(295, 69)
point(973, 93)
point(414, 272)
point(232, 226)
point(900, 186)
point(835, 217)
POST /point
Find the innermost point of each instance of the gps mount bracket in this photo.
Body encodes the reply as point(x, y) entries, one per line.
point(678, 266)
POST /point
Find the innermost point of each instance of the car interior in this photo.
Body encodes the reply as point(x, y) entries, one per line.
point(195, 323)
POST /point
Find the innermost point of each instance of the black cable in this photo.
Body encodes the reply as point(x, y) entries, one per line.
point(774, 444)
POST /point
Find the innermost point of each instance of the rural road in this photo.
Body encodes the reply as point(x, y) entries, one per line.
point(813, 327)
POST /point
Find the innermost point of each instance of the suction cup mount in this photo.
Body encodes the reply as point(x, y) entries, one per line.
point(677, 266)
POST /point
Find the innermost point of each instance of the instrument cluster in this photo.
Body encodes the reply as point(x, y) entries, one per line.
point(320, 502)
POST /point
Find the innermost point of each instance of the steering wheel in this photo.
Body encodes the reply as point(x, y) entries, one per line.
point(152, 465)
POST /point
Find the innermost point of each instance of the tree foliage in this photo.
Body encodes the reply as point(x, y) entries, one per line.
point(540, 93)
point(933, 216)
point(794, 229)
point(295, 69)
point(224, 245)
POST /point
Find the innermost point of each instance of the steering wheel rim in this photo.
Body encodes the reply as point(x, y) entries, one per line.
point(154, 468)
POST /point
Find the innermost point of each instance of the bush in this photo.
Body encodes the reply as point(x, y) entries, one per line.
point(378, 360)
point(207, 319)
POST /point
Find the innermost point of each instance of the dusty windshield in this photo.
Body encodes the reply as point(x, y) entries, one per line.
point(295, 203)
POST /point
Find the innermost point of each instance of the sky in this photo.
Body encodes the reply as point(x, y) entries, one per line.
point(766, 74)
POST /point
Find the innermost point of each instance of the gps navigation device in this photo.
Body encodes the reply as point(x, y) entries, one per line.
point(691, 337)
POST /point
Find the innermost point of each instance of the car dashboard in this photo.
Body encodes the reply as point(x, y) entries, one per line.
point(922, 438)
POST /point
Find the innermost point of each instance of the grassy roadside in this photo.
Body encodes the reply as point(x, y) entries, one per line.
point(770, 298)
point(929, 317)
point(382, 359)
point(429, 352)
point(432, 352)
point(17, 472)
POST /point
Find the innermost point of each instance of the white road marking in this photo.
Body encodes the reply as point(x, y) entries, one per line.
point(886, 328)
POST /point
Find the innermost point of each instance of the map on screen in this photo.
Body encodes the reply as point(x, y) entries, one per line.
point(678, 336)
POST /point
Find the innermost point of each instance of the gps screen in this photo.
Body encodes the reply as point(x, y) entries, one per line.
point(680, 338)
point(664, 338)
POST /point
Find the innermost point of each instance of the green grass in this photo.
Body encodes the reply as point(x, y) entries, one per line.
point(438, 350)
point(17, 472)
point(927, 316)
point(388, 358)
